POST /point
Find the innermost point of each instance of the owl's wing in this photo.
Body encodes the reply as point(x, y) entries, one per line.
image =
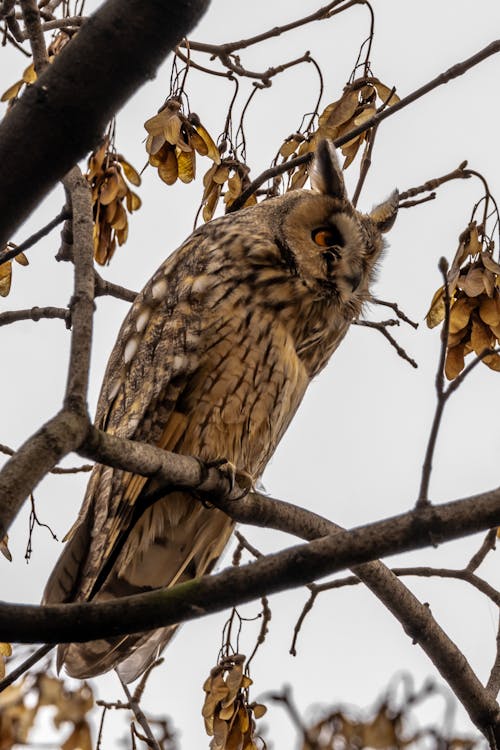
point(158, 348)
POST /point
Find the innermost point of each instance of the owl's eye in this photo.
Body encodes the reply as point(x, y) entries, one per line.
point(327, 237)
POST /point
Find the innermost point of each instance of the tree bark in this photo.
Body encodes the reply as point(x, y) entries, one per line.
point(62, 116)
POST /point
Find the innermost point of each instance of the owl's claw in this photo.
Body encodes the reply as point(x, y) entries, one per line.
point(235, 477)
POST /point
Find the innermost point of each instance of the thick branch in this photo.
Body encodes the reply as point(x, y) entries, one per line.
point(292, 567)
point(34, 459)
point(117, 50)
point(82, 304)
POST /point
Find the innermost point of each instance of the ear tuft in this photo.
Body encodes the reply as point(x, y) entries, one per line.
point(326, 173)
point(385, 214)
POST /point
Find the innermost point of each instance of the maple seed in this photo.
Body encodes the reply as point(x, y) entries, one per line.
point(109, 190)
point(174, 140)
point(474, 295)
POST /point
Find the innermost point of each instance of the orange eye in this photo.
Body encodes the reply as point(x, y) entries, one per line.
point(328, 237)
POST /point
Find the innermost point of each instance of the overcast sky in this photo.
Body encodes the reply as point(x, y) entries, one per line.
point(355, 449)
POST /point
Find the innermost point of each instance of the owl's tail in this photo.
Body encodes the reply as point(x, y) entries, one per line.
point(131, 655)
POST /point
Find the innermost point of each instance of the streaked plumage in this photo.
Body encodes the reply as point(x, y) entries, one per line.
point(213, 360)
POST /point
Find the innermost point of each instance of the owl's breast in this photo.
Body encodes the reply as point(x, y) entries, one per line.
point(248, 387)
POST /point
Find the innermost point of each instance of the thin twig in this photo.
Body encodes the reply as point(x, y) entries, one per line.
point(443, 78)
point(140, 716)
point(36, 314)
point(382, 327)
point(365, 164)
point(34, 238)
point(327, 11)
point(493, 684)
point(442, 395)
point(25, 666)
point(393, 305)
point(104, 287)
point(488, 545)
point(57, 469)
point(460, 575)
point(457, 174)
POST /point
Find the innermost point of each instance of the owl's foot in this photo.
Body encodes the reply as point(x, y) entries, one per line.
point(236, 477)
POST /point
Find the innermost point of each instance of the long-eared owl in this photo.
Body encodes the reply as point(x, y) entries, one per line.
point(213, 360)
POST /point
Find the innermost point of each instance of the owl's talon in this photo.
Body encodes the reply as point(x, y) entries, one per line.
point(235, 477)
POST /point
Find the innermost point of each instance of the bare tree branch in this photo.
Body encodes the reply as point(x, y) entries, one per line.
point(445, 77)
point(117, 49)
point(35, 314)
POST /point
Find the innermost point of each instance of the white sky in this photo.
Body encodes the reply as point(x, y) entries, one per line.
point(355, 448)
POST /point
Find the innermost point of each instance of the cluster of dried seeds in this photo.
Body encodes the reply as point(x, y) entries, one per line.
point(229, 171)
point(29, 74)
point(174, 140)
point(106, 170)
point(6, 269)
point(20, 704)
point(473, 284)
point(357, 105)
point(229, 717)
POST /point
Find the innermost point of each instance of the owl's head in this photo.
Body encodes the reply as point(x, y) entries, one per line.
point(330, 245)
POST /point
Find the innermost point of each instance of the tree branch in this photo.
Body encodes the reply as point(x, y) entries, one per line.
point(82, 304)
point(445, 77)
point(117, 49)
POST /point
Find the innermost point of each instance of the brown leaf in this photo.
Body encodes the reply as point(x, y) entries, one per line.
point(186, 162)
point(120, 218)
point(366, 114)
point(454, 361)
point(133, 201)
point(5, 278)
point(221, 174)
point(96, 160)
point(489, 309)
point(258, 710)
point(12, 91)
point(436, 312)
point(79, 739)
point(460, 313)
point(473, 245)
point(489, 263)
point(208, 179)
point(131, 174)
point(211, 202)
point(492, 361)
point(339, 112)
point(350, 150)
point(384, 92)
point(217, 693)
point(233, 682)
point(472, 283)
point(212, 150)
point(4, 547)
point(168, 169)
point(121, 236)
point(299, 178)
point(381, 733)
point(219, 735)
point(460, 256)
point(5, 652)
point(21, 259)
point(288, 147)
point(110, 187)
point(481, 338)
point(29, 75)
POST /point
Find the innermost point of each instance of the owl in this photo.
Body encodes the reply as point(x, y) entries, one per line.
point(213, 360)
